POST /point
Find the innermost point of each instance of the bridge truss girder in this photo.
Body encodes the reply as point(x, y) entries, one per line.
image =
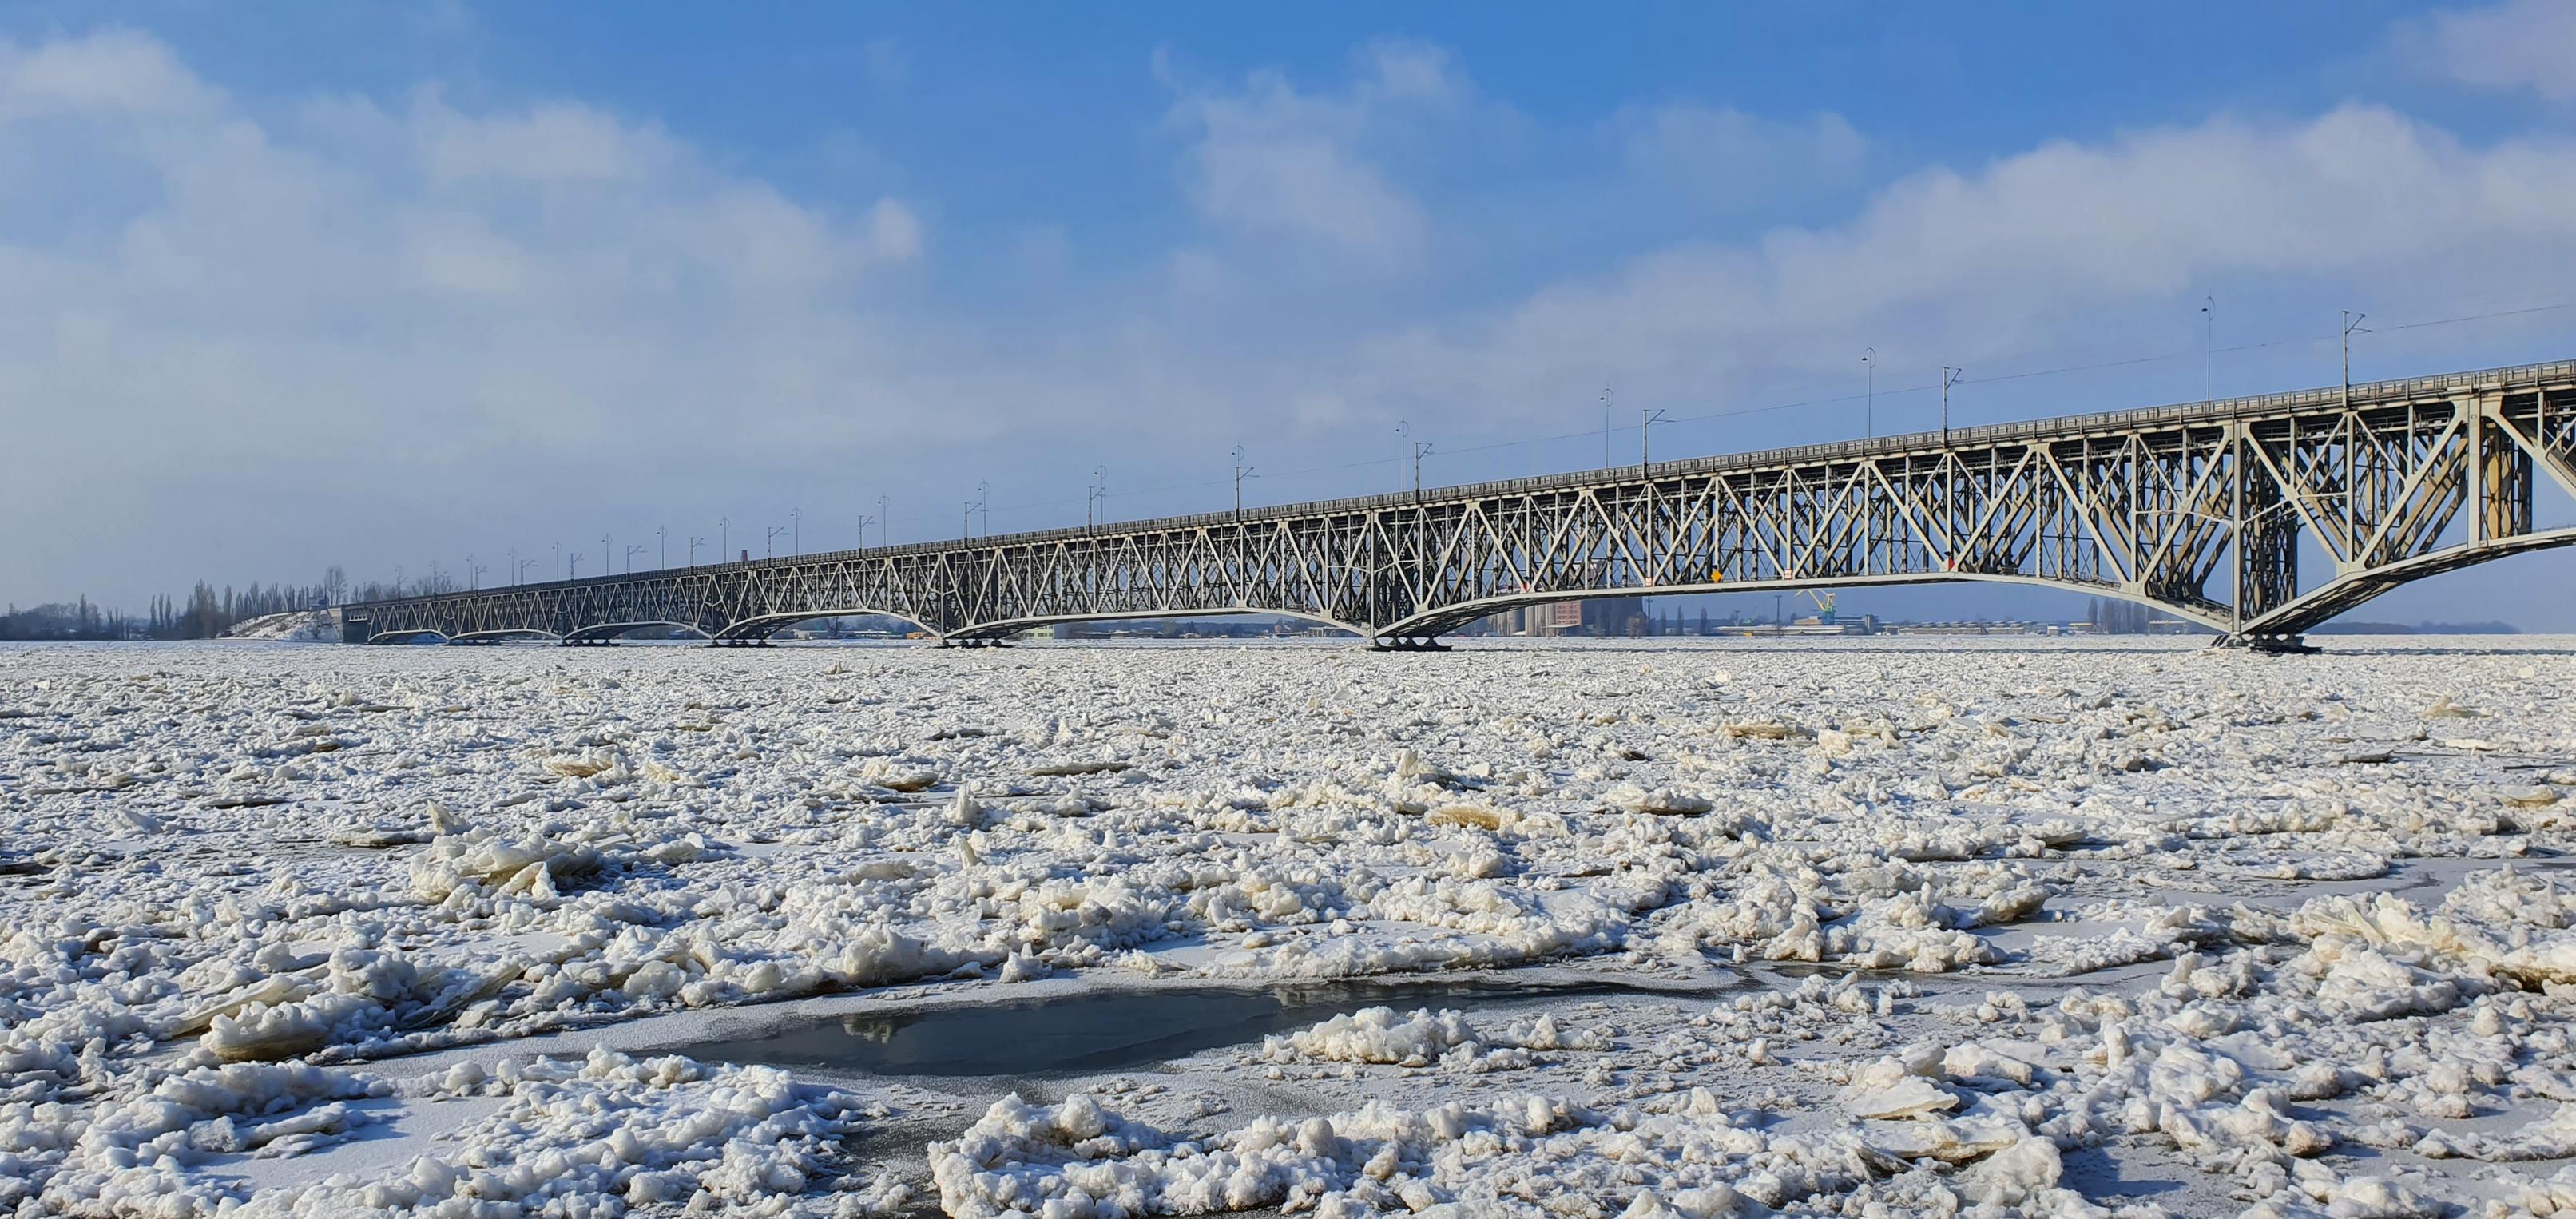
point(2202, 511)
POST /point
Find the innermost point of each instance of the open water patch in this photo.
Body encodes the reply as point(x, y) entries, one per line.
point(1083, 1032)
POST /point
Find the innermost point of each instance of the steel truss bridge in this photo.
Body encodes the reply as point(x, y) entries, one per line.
point(2256, 517)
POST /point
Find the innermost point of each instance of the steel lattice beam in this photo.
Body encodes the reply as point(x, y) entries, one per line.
point(2391, 482)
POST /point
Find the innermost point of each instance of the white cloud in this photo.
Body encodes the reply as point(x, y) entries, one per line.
point(1268, 159)
point(1726, 156)
point(2001, 261)
point(2519, 44)
point(424, 304)
point(116, 72)
point(552, 142)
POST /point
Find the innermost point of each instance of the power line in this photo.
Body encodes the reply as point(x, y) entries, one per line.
point(1800, 403)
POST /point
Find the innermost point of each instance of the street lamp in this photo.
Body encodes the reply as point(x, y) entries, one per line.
point(1420, 449)
point(604, 560)
point(865, 520)
point(1241, 472)
point(662, 538)
point(2208, 350)
point(694, 541)
point(1403, 449)
point(796, 524)
point(769, 545)
point(2351, 325)
point(1949, 377)
point(1096, 493)
point(576, 564)
point(559, 561)
point(724, 539)
point(1646, 421)
point(630, 556)
point(474, 574)
point(1605, 426)
point(524, 565)
point(1869, 393)
point(885, 519)
point(514, 564)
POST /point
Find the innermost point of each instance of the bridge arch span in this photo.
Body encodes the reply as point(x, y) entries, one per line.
point(611, 630)
point(503, 635)
point(409, 635)
point(1011, 626)
point(765, 625)
point(1433, 623)
point(2347, 592)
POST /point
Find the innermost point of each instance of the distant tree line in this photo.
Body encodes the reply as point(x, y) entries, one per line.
point(63, 620)
point(204, 614)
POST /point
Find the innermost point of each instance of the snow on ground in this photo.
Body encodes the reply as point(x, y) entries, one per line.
point(2037, 927)
point(302, 625)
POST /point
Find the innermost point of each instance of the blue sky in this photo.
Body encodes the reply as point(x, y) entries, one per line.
point(376, 285)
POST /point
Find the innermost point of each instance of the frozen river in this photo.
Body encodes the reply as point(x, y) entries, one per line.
point(2049, 927)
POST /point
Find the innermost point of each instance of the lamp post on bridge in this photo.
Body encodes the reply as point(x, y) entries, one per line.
point(605, 563)
point(514, 565)
point(2208, 350)
point(1403, 449)
point(1241, 472)
point(524, 565)
point(2351, 326)
point(1949, 377)
point(984, 504)
point(630, 556)
point(575, 571)
point(885, 519)
point(796, 528)
point(694, 540)
point(1096, 493)
point(769, 545)
point(1607, 399)
point(1421, 449)
point(474, 574)
point(662, 538)
point(398, 580)
point(559, 561)
point(1646, 421)
point(865, 520)
point(1869, 393)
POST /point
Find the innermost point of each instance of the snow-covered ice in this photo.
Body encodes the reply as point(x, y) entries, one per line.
point(2036, 927)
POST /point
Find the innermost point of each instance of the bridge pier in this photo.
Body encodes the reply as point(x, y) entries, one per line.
point(2270, 645)
point(1422, 644)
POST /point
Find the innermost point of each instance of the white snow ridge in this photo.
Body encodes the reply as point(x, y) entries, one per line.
point(1847, 927)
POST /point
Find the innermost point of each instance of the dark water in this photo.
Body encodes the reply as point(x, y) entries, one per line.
point(1100, 1031)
